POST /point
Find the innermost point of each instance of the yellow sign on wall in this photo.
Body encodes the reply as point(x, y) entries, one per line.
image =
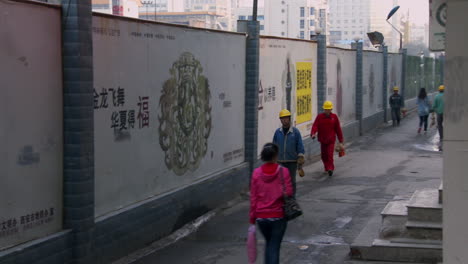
point(303, 92)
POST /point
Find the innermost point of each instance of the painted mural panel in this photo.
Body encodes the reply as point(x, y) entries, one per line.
point(285, 66)
point(372, 83)
point(169, 108)
point(31, 129)
point(341, 83)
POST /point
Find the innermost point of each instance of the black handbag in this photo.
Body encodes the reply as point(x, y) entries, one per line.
point(291, 208)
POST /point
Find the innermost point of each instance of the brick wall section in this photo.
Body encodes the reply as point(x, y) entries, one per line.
point(359, 98)
point(385, 82)
point(321, 71)
point(78, 182)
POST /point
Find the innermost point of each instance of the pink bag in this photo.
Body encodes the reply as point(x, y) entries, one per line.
point(252, 244)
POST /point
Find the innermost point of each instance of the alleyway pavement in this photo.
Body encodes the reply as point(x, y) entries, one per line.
point(385, 164)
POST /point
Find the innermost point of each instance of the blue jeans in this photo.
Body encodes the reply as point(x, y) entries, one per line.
point(273, 232)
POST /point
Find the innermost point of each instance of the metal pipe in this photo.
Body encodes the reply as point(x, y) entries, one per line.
point(255, 7)
point(401, 34)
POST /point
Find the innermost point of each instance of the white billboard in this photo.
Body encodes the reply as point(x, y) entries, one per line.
point(31, 131)
point(287, 80)
point(169, 107)
point(372, 92)
point(341, 83)
point(437, 21)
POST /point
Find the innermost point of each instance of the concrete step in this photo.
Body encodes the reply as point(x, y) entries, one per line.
point(424, 230)
point(424, 206)
point(366, 248)
point(394, 217)
point(409, 250)
point(441, 190)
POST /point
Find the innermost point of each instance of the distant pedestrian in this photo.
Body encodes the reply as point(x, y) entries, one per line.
point(438, 108)
point(424, 108)
point(327, 126)
point(291, 148)
point(266, 201)
point(396, 103)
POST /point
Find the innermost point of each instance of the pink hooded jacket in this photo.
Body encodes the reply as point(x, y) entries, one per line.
point(266, 191)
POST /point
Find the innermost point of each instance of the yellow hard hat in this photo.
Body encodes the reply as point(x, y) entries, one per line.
point(395, 88)
point(328, 105)
point(284, 113)
point(441, 87)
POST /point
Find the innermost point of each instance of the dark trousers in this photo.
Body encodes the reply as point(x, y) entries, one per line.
point(440, 125)
point(423, 120)
point(273, 232)
point(395, 116)
point(292, 167)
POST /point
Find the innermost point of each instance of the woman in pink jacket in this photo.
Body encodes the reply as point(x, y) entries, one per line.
point(269, 181)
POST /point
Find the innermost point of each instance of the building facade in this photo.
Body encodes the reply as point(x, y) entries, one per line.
point(296, 18)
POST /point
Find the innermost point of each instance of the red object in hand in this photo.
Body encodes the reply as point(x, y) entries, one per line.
point(341, 153)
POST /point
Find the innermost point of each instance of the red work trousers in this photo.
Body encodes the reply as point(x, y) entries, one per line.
point(327, 156)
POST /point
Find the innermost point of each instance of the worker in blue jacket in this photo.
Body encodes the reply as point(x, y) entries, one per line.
point(291, 148)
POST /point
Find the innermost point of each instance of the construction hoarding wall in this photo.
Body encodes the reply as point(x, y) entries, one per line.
point(341, 83)
point(169, 108)
point(287, 80)
point(31, 130)
point(372, 91)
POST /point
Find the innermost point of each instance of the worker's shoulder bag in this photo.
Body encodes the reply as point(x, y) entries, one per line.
point(291, 208)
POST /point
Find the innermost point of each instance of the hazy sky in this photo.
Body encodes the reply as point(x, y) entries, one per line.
point(419, 9)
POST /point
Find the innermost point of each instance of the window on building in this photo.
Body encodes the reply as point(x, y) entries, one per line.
point(354, 32)
point(312, 23)
point(353, 21)
point(345, 21)
point(282, 10)
point(312, 11)
point(262, 27)
point(282, 33)
point(301, 23)
point(261, 18)
point(302, 35)
point(338, 21)
point(282, 21)
point(302, 11)
point(346, 32)
point(241, 17)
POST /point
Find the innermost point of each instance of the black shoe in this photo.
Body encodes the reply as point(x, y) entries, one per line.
point(330, 173)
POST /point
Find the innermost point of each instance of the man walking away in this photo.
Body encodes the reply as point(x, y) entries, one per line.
point(291, 148)
point(396, 103)
point(438, 108)
point(327, 126)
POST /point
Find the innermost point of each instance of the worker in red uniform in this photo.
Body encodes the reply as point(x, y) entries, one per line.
point(327, 126)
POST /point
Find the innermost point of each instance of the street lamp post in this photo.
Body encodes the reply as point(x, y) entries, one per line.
point(392, 12)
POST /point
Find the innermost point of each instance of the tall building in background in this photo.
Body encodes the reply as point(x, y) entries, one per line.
point(128, 8)
point(296, 18)
point(349, 20)
point(245, 13)
point(378, 15)
point(222, 9)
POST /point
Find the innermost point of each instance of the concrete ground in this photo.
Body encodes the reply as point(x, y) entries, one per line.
point(383, 165)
